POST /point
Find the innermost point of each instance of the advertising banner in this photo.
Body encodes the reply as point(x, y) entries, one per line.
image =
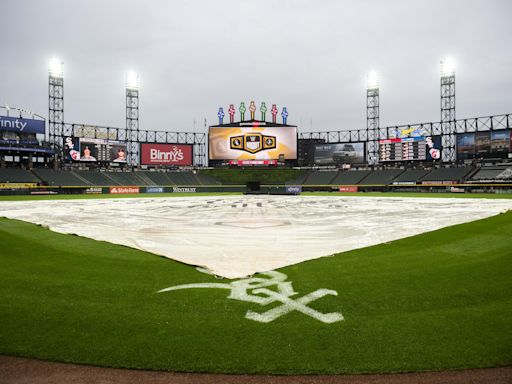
point(154, 189)
point(94, 191)
point(482, 143)
point(17, 185)
point(500, 142)
point(166, 154)
point(347, 189)
point(242, 163)
point(339, 153)
point(19, 125)
point(295, 189)
point(252, 143)
point(184, 189)
point(465, 146)
point(124, 190)
point(486, 144)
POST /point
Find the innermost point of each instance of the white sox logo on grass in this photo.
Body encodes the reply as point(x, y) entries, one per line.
point(256, 290)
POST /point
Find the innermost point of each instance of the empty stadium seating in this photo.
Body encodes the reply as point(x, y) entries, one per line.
point(320, 178)
point(411, 176)
point(501, 173)
point(369, 178)
point(447, 174)
point(96, 178)
point(17, 175)
point(349, 177)
point(381, 177)
point(60, 178)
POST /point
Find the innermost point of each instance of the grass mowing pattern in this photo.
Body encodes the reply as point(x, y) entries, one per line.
point(440, 300)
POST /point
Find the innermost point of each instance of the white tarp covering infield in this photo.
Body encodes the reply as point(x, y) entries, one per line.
point(236, 236)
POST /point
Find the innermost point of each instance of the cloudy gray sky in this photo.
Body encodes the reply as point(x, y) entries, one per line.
point(311, 56)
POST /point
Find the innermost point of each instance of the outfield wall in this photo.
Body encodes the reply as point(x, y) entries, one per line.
point(32, 189)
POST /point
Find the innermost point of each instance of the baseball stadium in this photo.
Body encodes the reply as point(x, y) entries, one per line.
point(255, 250)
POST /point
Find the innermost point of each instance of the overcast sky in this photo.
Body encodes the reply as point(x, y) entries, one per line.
point(311, 56)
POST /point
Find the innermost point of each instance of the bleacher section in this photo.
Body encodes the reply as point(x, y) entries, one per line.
point(349, 177)
point(369, 179)
point(381, 177)
point(125, 178)
point(498, 173)
point(60, 178)
point(84, 178)
point(320, 178)
point(447, 174)
point(297, 181)
point(411, 176)
point(96, 178)
point(17, 175)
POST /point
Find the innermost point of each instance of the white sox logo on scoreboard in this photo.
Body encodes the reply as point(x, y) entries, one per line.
point(252, 142)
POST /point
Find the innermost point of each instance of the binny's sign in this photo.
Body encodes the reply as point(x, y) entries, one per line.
point(20, 125)
point(166, 154)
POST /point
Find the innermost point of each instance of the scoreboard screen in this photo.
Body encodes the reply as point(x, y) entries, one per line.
point(410, 148)
point(94, 150)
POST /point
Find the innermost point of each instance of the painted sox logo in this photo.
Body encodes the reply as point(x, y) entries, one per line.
point(256, 290)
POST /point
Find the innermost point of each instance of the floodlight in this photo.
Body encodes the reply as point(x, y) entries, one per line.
point(373, 80)
point(56, 67)
point(447, 66)
point(132, 80)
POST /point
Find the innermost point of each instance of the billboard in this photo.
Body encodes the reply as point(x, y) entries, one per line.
point(482, 143)
point(94, 150)
point(19, 125)
point(166, 154)
point(252, 143)
point(339, 153)
point(487, 144)
point(465, 146)
point(410, 148)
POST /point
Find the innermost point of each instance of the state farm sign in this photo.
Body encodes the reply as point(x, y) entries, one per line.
point(165, 154)
point(124, 190)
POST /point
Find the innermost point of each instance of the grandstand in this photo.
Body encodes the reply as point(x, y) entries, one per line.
point(381, 177)
point(376, 179)
point(499, 173)
point(447, 174)
point(84, 178)
point(17, 175)
point(320, 178)
point(411, 176)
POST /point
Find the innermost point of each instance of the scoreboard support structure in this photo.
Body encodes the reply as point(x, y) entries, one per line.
point(372, 125)
point(448, 115)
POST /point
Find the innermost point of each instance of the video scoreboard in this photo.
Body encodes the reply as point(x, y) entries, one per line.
point(408, 148)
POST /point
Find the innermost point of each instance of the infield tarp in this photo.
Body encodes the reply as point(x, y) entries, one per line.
point(236, 236)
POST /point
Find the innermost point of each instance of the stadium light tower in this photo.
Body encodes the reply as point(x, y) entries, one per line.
point(132, 117)
point(448, 108)
point(55, 102)
point(372, 117)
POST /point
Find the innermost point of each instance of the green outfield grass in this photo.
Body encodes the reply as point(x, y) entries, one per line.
point(151, 195)
point(440, 300)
